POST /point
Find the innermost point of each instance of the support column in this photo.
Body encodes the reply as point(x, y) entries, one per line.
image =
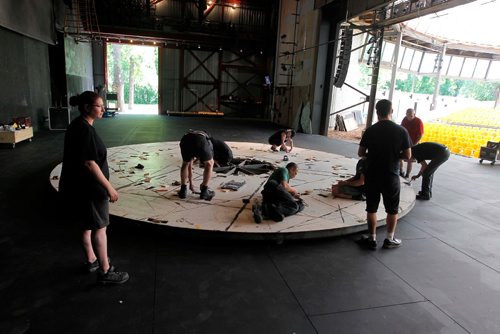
point(497, 97)
point(395, 61)
point(375, 70)
point(438, 78)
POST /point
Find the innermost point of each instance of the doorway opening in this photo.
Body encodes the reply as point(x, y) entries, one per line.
point(132, 79)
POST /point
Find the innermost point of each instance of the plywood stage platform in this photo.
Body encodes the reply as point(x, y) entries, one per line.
point(149, 195)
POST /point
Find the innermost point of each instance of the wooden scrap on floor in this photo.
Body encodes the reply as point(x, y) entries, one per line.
point(157, 221)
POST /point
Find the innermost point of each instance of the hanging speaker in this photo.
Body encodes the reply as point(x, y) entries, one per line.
point(343, 58)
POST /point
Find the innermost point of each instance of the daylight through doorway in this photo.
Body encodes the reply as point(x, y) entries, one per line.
point(132, 79)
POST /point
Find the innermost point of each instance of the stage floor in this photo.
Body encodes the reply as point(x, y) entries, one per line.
point(149, 195)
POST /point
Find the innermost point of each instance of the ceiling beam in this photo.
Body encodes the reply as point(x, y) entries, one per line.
point(413, 13)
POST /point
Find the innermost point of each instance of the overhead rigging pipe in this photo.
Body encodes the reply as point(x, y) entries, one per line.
point(439, 67)
point(395, 59)
point(375, 70)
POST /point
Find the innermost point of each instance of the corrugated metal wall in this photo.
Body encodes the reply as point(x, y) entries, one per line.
point(201, 76)
point(226, 79)
point(190, 81)
point(169, 79)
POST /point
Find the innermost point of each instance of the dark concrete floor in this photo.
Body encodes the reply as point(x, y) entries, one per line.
point(444, 279)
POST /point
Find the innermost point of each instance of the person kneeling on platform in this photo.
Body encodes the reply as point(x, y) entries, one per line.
point(200, 145)
point(353, 188)
point(279, 199)
point(280, 139)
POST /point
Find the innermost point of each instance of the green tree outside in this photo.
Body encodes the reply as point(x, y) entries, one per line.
point(475, 89)
point(144, 78)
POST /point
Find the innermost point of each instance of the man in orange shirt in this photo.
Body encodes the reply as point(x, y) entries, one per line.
point(415, 129)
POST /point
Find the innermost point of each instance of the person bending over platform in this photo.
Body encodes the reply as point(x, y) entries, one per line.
point(383, 144)
point(281, 138)
point(198, 144)
point(279, 199)
point(354, 187)
point(437, 154)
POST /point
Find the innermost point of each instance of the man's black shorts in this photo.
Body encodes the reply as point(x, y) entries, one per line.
point(194, 145)
point(389, 186)
point(275, 139)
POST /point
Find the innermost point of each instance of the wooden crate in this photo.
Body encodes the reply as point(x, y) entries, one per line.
point(13, 137)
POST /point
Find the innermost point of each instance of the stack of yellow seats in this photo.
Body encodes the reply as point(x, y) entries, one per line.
point(473, 116)
point(466, 131)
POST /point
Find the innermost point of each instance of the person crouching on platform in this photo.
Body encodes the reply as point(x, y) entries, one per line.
point(222, 153)
point(198, 144)
point(281, 138)
point(279, 199)
point(437, 154)
point(354, 187)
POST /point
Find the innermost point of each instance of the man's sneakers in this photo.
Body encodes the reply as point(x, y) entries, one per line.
point(206, 193)
point(272, 211)
point(300, 205)
point(183, 192)
point(257, 213)
point(359, 197)
point(368, 243)
point(93, 266)
point(112, 277)
point(423, 197)
point(391, 243)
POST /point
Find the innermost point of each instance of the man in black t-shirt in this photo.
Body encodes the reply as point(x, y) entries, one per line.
point(438, 154)
point(383, 144)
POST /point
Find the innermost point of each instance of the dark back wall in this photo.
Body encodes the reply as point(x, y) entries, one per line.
point(25, 78)
point(78, 68)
